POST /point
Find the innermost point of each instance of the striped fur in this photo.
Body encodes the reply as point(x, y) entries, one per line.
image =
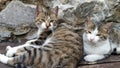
point(62, 48)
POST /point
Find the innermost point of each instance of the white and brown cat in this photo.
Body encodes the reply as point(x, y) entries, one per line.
point(98, 41)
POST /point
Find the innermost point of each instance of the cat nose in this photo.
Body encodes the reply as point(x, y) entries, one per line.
point(47, 25)
point(91, 39)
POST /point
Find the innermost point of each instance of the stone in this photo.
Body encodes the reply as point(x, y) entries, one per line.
point(116, 15)
point(17, 19)
point(5, 34)
point(32, 34)
point(97, 11)
point(28, 1)
point(4, 3)
point(21, 30)
point(66, 7)
point(17, 13)
point(113, 3)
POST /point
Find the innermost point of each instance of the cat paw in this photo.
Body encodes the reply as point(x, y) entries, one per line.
point(10, 51)
point(89, 58)
point(3, 59)
point(93, 58)
point(8, 47)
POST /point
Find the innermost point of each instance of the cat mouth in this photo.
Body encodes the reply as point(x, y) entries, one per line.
point(48, 25)
point(91, 41)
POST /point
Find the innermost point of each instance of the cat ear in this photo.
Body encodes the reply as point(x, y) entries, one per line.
point(38, 9)
point(108, 25)
point(56, 9)
point(88, 23)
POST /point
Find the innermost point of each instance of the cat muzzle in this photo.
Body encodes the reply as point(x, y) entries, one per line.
point(48, 25)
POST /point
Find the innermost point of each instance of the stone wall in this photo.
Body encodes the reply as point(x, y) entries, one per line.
point(18, 17)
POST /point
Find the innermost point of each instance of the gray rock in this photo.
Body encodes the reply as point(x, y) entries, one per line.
point(21, 30)
point(4, 33)
point(17, 13)
point(95, 10)
point(116, 15)
point(32, 34)
point(113, 3)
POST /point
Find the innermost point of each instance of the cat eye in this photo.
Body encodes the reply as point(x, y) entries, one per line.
point(51, 20)
point(89, 31)
point(98, 34)
point(43, 20)
point(103, 37)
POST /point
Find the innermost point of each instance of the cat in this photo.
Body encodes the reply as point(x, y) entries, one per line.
point(45, 27)
point(98, 41)
point(62, 48)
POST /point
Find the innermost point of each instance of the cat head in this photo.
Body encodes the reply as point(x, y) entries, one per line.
point(46, 17)
point(96, 33)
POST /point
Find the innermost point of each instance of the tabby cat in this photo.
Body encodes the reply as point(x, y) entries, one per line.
point(100, 40)
point(61, 49)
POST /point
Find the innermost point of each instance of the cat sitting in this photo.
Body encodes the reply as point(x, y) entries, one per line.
point(98, 41)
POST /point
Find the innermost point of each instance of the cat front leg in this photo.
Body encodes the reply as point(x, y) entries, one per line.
point(12, 61)
point(93, 57)
point(116, 51)
point(17, 51)
point(12, 50)
point(26, 58)
point(4, 59)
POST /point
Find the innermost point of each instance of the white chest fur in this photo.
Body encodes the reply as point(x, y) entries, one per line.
point(102, 47)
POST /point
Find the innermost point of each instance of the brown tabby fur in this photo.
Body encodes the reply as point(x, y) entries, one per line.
point(63, 50)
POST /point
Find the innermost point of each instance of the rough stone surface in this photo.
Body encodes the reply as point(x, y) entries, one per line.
point(4, 33)
point(97, 11)
point(113, 3)
point(17, 13)
point(116, 15)
point(4, 3)
point(17, 18)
